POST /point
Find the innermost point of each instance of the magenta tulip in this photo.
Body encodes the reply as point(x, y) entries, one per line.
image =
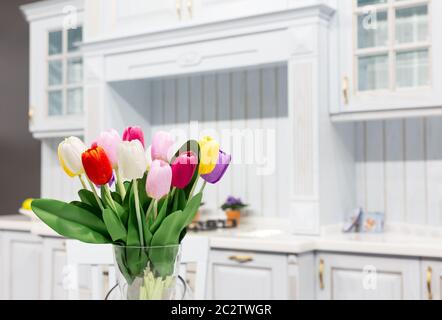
point(161, 143)
point(183, 168)
point(109, 141)
point(159, 179)
point(220, 168)
point(133, 133)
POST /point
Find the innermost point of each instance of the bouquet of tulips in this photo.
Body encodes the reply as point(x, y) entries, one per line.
point(134, 197)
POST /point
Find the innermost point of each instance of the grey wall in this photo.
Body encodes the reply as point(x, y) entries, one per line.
point(19, 152)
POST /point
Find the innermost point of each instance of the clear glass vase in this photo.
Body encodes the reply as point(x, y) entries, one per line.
point(149, 273)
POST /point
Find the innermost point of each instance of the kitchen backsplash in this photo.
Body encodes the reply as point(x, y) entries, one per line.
point(399, 169)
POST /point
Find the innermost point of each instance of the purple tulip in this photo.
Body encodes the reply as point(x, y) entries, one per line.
point(220, 168)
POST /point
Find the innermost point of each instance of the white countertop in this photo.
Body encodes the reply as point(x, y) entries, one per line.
point(398, 240)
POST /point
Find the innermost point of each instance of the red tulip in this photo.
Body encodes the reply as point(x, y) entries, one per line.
point(183, 169)
point(133, 133)
point(97, 165)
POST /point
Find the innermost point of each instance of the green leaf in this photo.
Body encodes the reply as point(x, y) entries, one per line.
point(170, 229)
point(87, 207)
point(120, 257)
point(161, 216)
point(71, 221)
point(114, 225)
point(88, 197)
point(117, 197)
point(142, 195)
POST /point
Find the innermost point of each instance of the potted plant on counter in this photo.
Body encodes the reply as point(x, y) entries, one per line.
point(232, 207)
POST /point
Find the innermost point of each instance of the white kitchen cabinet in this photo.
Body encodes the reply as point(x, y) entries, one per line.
point(237, 275)
point(357, 277)
point(214, 10)
point(388, 59)
point(56, 68)
point(117, 18)
point(54, 262)
point(22, 265)
point(431, 279)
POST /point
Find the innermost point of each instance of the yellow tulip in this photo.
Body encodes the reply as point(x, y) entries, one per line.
point(209, 149)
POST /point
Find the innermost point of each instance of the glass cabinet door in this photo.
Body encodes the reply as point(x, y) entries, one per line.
point(392, 44)
point(65, 73)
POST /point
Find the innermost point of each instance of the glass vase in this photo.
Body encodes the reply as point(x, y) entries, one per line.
point(149, 273)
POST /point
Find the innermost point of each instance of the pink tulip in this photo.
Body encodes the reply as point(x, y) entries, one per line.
point(158, 179)
point(161, 143)
point(183, 168)
point(109, 141)
point(133, 133)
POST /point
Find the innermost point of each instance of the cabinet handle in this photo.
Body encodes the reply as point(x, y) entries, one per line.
point(241, 259)
point(429, 278)
point(178, 8)
point(321, 274)
point(106, 273)
point(345, 84)
point(31, 113)
point(190, 8)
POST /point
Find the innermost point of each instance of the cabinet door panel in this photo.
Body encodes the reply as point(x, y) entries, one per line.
point(355, 277)
point(23, 258)
point(244, 275)
point(237, 282)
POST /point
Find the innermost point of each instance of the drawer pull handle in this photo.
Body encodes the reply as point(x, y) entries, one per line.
point(31, 113)
point(429, 280)
point(241, 259)
point(321, 274)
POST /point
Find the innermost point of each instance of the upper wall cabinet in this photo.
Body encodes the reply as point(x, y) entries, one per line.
point(388, 59)
point(120, 18)
point(56, 68)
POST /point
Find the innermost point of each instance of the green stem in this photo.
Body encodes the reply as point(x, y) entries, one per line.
point(120, 184)
point(149, 209)
point(155, 209)
point(96, 195)
point(106, 188)
point(137, 210)
point(193, 189)
point(82, 181)
point(173, 192)
point(203, 186)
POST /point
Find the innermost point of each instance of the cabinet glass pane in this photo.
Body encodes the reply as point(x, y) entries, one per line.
point(55, 72)
point(75, 70)
point(412, 24)
point(75, 101)
point(412, 69)
point(55, 45)
point(75, 37)
point(55, 103)
point(373, 73)
point(373, 32)
point(362, 3)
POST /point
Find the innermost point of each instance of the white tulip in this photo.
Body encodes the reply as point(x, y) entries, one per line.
point(132, 161)
point(69, 155)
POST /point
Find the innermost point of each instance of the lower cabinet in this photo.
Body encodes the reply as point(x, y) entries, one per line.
point(22, 266)
point(431, 279)
point(237, 275)
point(356, 277)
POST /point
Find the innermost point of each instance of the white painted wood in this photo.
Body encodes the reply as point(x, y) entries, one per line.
point(431, 270)
point(54, 261)
point(22, 264)
point(410, 182)
point(44, 17)
point(195, 249)
point(375, 166)
point(385, 104)
point(353, 277)
point(262, 278)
